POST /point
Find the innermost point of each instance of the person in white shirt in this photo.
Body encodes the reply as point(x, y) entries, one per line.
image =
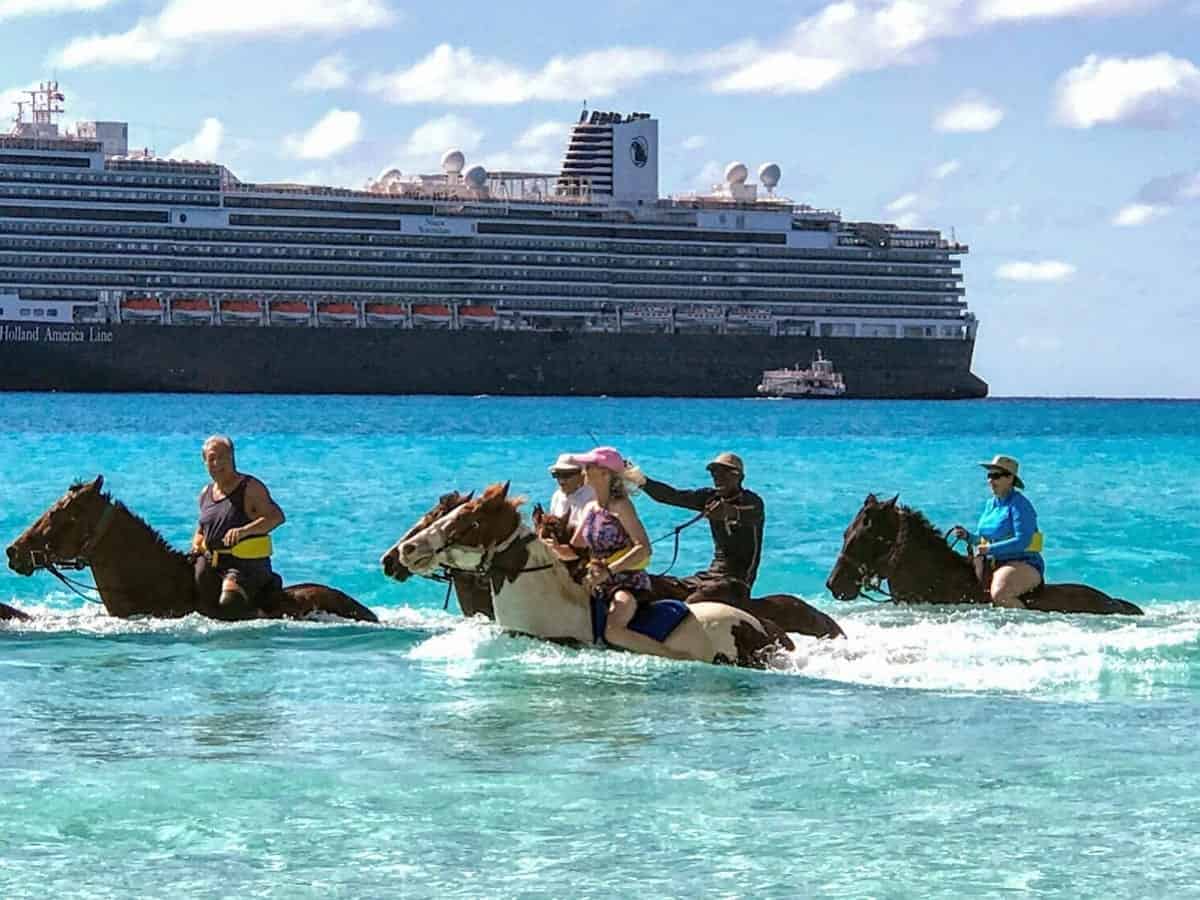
point(572, 494)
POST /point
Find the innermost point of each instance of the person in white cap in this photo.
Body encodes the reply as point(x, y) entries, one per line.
point(735, 516)
point(572, 493)
point(1008, 534)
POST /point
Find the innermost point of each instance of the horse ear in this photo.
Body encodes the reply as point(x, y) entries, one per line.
point(871, 500)
point(467, 497)
point(98, 483)
point(892, 502)
point(504, 490)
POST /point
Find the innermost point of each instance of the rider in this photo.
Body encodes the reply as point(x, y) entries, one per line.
point(1008, 534)
point(236, 515)
point(572, 494)
point(735, 517)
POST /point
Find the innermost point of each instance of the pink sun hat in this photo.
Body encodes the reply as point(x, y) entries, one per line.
point(604, 457)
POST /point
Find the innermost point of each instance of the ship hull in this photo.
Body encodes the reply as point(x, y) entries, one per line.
point(300, 360)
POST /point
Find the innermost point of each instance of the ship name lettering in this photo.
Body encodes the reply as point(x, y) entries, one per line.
point(20, 334)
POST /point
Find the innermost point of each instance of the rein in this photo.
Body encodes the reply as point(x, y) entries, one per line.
point(676, 532)
point(81, 560)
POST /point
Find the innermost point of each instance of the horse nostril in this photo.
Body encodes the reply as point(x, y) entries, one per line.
point(409, 549)
point(12, 552)
point(388, 564)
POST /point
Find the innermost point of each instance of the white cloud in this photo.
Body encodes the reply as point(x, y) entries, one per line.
point(841, 39)
point(205, 145)
point(908, 221)
point(1133, 214)
point(1045, 270)
point(903, 202)
point(455, 75)
point(970, 113)
point(336, 131)
point(694, 142)
point(430, 139)
point(1010, 213)
point(711, 173)
point(328, 73)
point(183, 23)
point(946, 169)
point(990, 11)
point(1148, 90)
point(12, 9)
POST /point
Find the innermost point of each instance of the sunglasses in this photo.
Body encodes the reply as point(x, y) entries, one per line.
point(565, 476)
point(996, 476)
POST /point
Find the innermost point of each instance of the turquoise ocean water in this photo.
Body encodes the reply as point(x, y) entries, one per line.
point(932, 754)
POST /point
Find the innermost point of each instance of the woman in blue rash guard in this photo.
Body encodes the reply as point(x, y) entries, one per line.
point(1008, 534)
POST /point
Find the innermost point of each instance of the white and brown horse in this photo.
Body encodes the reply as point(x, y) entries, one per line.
point(532, 591)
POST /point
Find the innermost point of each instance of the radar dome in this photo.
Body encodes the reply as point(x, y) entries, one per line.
point(736, 173)
point(769, 175)
point(476, 176)
point(453, 162)
point(389, 175)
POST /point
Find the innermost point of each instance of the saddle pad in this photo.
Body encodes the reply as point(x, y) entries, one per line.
point(658, 618)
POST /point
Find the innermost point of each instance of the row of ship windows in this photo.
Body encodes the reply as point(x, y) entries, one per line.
point(108, 179)
point(479, 271)
point(473, 256)
point(468, 244)
point(156, 282)
point(108, 196)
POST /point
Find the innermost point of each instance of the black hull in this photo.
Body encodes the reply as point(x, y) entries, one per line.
point(286, 360)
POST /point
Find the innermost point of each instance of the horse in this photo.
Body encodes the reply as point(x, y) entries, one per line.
point(472, 589)
point(897, 544)
point(138, 573)
point(8, 613)
point(534, 594)
point(787, 611)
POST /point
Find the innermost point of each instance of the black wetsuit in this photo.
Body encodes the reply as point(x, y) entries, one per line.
point(217, 518)
point(737, 542)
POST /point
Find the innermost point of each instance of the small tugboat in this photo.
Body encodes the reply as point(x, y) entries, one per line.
point(819, 380)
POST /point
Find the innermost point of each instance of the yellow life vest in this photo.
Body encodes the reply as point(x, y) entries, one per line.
point(642, 566)
point(257, 547)
point(1035, 543)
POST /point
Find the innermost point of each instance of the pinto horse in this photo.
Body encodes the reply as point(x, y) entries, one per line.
point(897, 544)
point(137, 572)
point(534, 594)
point(786, 611)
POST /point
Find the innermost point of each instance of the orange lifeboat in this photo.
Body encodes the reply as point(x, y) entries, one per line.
point(240, 306)
point(191, 304)
point(386, 310)
point(142, 304)
point(341, 312)
point(432, 310)
point(477, 312)
point(290, 307)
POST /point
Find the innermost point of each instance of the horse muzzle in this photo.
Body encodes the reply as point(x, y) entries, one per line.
point(392, 567)
point(21, 561)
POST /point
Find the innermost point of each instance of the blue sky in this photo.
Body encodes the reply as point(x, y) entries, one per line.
point(1058, 138)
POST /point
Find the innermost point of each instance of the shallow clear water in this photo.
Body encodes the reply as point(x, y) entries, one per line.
point(933, 753)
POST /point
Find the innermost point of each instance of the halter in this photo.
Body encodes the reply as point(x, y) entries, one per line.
point(51, 562)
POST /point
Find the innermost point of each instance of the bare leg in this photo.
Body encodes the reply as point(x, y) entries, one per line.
point(617, 633)
point(1010, 581)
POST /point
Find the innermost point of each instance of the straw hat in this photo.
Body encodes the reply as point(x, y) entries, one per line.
point(728, 461)
point(1007, 465)
point(564, 464)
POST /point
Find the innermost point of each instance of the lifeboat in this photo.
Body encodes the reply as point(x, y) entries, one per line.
point(477, 312)
point(387, 313)
point(432, 311)
point(338, 313)
point(141, 309)
point(191, 304)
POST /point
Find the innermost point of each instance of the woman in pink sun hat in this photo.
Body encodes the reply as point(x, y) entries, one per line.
point(620, 551)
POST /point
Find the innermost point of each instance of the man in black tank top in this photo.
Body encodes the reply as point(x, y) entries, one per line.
point(233, 508)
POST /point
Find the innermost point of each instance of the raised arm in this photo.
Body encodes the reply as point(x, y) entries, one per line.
point(664, 493)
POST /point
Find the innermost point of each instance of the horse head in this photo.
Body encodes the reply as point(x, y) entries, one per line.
point(392, 567)
point(866, 546)
point(548, 525)
point(464, 537)
point(66, 533)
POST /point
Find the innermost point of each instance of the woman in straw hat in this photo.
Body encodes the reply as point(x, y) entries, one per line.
point(1008, 534)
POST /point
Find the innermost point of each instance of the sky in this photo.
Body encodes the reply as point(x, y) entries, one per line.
point(1057, 138)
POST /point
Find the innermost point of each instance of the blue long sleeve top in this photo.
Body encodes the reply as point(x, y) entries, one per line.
point(1009, 524)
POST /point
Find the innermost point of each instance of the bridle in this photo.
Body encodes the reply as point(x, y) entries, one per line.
point(870, 576)
point(47, 560)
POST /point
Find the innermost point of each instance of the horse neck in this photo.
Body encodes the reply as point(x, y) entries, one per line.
point(925, 568)
point(134, 571)
point(542, 599)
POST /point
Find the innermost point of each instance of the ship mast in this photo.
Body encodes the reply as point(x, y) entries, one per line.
point(43, 106)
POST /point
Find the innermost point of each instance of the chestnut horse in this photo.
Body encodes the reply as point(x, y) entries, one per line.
point(897, 544)
point(137, 573)
point(534, 594)
point(787, 611)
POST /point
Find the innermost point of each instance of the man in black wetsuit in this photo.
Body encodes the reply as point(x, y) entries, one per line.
point(736, 518)
point(236, 514)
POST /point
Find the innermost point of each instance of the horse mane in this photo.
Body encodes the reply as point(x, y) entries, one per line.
point(915, 527)
point(159, 541)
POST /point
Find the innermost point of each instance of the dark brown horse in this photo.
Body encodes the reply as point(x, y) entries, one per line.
point(786, 611)
point(897, 544)
point(137, 573)
point(10, 612)
point(472, 589)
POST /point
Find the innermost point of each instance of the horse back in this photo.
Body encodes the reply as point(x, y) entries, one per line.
point(299, 600)
point(1078, 598)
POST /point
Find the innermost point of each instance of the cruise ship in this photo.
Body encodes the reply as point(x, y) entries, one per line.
point(122, 271)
